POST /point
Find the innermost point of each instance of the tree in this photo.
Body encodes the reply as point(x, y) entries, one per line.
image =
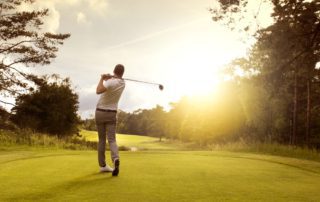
point(4, 120)
point(23, 42)
point(149, 122)
point(50, 109)
point(285, 56)
point(89, 124)
point(156, 122)
point(207, 119)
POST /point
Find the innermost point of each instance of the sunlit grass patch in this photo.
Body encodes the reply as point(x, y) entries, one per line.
point(135, 142)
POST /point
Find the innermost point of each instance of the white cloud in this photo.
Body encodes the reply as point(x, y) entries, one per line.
point(52, 21)
point(72, 2)
point(99, 6)
point(81, 18)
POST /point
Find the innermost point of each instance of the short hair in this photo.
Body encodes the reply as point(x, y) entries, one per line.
point(119, 70)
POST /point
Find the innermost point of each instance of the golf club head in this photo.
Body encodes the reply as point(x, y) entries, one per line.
point(161, 87)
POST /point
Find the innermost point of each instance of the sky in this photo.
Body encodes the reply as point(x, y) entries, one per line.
point(174, 43)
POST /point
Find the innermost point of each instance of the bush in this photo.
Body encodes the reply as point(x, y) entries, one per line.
point(52, 109)
point(26, 137)
point(30, 138)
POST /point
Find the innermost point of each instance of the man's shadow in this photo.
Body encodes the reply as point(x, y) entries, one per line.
point(96, 179)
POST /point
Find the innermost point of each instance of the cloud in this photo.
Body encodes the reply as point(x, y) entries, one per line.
point(52, 21)
point(99, 6)
point(81, 18)
point(88, 101)
point(156, 34)
point(72, 2)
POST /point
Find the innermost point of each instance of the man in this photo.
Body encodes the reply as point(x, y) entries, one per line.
point(110, 87)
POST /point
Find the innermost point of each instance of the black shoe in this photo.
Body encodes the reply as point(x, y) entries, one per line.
point(115, 171)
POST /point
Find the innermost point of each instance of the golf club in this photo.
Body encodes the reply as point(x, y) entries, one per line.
point(161, 87)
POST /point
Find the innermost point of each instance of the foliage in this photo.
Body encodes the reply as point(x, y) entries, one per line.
point(203, 120)
point(281, 65)
point(25, 137)
point(50, 109)
point(89, 124)
point(5, 120)
point(23, 43)
point(143, 122)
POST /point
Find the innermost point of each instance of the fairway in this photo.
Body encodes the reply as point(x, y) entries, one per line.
point(134, 142)
point(44, 175)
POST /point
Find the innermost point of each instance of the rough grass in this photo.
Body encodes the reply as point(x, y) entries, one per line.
point(88, 141)
point(43, 175)
point(26, 137)
point(271, 149)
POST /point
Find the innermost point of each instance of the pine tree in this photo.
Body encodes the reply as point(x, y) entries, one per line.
point(23, 43)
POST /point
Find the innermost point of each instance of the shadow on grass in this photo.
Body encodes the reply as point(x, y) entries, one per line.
point(314, 171)
point(66, 189)
point(281, 163)
point(235, 155)
point(36, 157)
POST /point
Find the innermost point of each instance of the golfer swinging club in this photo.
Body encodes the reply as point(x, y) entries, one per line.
point(110, 87)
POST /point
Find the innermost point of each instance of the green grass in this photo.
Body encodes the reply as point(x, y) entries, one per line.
point(158, 171)
point(60, 175)
point(270, 149)
point(135, 142)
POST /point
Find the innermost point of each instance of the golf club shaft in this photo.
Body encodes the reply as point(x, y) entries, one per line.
point(146, 82)
point(141, 81)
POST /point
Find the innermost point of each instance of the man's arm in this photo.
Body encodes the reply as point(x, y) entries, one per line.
point(100, 88)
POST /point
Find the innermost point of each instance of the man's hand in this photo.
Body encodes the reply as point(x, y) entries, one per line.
point(106, 76)
point(100, 88)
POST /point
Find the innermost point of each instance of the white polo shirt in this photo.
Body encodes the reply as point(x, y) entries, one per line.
point(109, 99)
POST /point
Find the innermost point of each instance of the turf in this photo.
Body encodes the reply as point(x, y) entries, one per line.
point(44, 175)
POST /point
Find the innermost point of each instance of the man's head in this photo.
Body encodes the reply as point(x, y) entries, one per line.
point(118, 70)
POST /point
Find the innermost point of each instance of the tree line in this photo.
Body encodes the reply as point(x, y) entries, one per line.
point(284, 65)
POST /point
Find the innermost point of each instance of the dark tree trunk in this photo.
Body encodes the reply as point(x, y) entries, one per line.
point(308, 111)
point(295, 106)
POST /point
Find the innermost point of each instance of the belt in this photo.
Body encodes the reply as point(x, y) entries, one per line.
point(106, 110)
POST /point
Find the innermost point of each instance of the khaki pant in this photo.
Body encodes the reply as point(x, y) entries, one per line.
point(106, 126)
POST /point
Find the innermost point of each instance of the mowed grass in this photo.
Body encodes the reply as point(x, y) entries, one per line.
point(60, 175)
point(135, 142)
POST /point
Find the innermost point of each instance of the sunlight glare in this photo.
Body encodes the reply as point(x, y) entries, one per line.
point(199, 73)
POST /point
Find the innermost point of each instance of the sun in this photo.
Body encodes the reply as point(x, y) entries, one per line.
point(194, 64)
point(204, 87)
point(202, 81)
point(198, 74)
